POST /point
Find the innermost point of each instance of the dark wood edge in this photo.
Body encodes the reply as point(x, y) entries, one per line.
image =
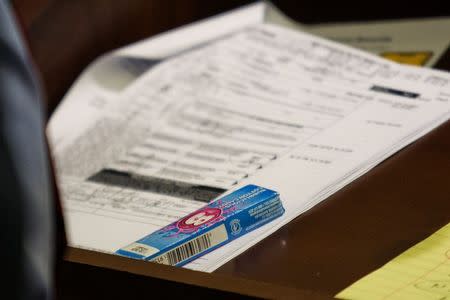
point(215, 281)
point(443, 62)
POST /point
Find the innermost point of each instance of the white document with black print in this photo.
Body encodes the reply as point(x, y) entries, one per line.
point(288, 111)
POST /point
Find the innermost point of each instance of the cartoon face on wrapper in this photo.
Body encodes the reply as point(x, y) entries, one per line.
point(201, 217)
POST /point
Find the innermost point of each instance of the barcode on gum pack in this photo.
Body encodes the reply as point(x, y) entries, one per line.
point(196, 246)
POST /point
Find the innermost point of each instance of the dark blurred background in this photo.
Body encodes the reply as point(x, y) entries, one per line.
point(65, 35)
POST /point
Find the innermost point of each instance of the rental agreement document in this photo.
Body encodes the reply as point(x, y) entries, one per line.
point(265, 105)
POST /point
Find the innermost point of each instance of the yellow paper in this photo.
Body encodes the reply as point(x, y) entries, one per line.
point(422, 272)
point(411, 58)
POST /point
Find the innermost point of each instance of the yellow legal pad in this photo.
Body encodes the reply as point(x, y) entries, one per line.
point(422, 272)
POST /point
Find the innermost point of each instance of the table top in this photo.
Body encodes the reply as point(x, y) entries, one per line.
point(355, 231)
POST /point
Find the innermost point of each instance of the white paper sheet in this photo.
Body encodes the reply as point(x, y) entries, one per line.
point(109, 74)
point(266, 105)
point(420, 41)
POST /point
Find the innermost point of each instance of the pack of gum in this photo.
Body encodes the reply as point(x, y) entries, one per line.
point(208, 228)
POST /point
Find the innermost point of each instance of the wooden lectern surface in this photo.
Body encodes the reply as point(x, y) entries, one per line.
point(353, 232)
point(399, 203)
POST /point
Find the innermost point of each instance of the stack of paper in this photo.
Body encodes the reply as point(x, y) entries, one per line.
point(265, 105)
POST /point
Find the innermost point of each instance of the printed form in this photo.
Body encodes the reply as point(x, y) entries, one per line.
point(265, 105)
